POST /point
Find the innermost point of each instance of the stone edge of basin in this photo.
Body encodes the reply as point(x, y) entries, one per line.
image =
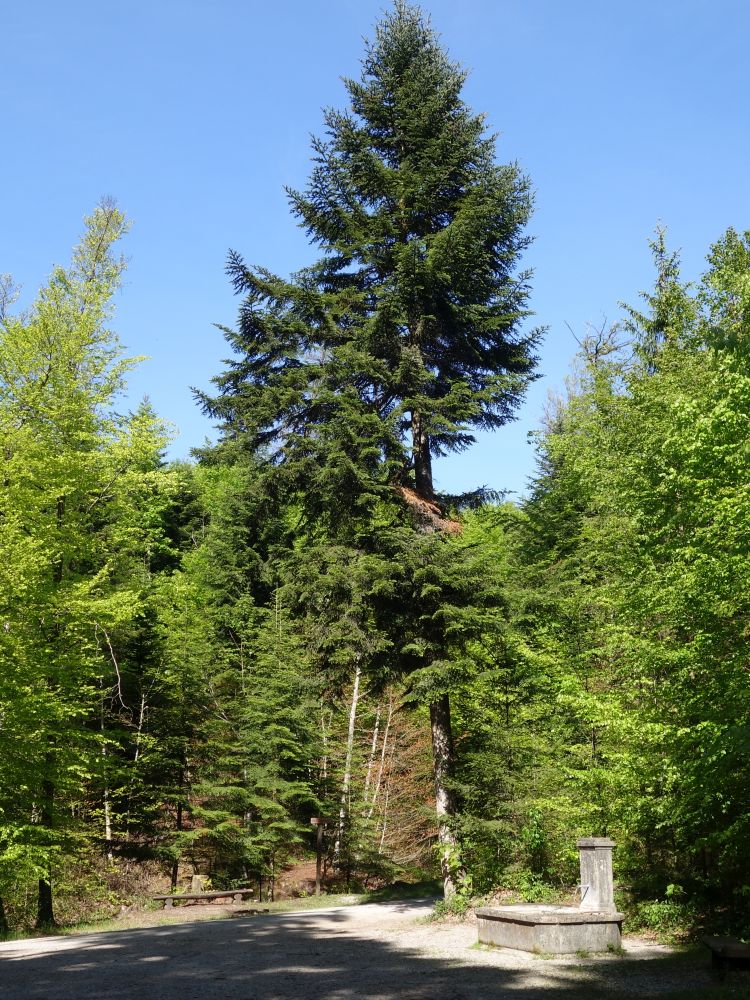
point(538, 916)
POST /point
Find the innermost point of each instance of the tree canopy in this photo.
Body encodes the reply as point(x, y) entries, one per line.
point(295, 651)
point(403, 337)
point(406, 333)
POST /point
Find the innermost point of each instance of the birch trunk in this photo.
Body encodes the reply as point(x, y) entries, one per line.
point(445, 803)
point(105, 779)
point(347, 779)
point(136, 758)
point(381, 767)
point(371, 759)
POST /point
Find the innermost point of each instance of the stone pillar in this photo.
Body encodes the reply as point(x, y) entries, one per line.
point(597, 884)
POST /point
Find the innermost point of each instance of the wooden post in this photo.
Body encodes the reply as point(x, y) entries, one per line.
point(318, 851)
point(319, 822)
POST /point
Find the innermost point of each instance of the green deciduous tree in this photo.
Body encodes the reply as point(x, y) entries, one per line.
point(69, 531)
point(633, 547)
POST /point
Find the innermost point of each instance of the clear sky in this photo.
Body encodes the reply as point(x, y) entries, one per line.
point(194, 115)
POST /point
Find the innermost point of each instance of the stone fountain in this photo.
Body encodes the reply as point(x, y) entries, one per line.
point(594, 925)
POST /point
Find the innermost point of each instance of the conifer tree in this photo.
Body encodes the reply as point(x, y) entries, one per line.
point(409, 322)
point(404, 337)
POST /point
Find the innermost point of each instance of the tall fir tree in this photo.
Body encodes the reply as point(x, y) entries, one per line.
point(403, 338)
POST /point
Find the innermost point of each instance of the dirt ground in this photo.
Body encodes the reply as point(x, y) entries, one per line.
point(375, 952)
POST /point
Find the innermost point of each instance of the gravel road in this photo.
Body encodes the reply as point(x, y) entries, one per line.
point(374, 952)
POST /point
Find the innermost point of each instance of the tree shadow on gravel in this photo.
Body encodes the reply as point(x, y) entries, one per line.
point(324, 957)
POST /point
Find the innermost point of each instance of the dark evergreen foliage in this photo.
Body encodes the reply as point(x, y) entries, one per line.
point(404, 336)
point(351, 376)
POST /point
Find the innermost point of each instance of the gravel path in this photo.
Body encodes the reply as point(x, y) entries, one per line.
point(374, 952)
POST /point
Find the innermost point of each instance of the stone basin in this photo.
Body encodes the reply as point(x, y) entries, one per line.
point(595, 925)
point(556, 930)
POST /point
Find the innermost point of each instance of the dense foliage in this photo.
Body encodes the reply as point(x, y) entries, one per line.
point(196, 660)
point(636, 538)
point(349, 378)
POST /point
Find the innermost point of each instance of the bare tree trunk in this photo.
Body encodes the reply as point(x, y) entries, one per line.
point(445, 803)
point(45, 915)
point(318, 853)
point(385, 818)
point(136, 758)
point(178, 824)
point(324, 734)
point(422, 458)
point(4, 928)
point(371, 758)
point(383, 749)
point(105, 779)
point(387, 792)
point(347, 780)
point(107, 811)
point(420, 439)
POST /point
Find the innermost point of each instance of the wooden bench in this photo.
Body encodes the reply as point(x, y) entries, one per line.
point(726, 952)
point(236, 895)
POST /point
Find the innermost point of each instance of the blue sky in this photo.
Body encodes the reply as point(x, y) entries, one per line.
point(194, 115)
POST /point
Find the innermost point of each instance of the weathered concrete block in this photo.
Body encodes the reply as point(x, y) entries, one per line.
point(597, 883)
point(593, 926)
point(556, 930)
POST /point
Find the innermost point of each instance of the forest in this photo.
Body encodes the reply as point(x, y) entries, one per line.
point(198, 659)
